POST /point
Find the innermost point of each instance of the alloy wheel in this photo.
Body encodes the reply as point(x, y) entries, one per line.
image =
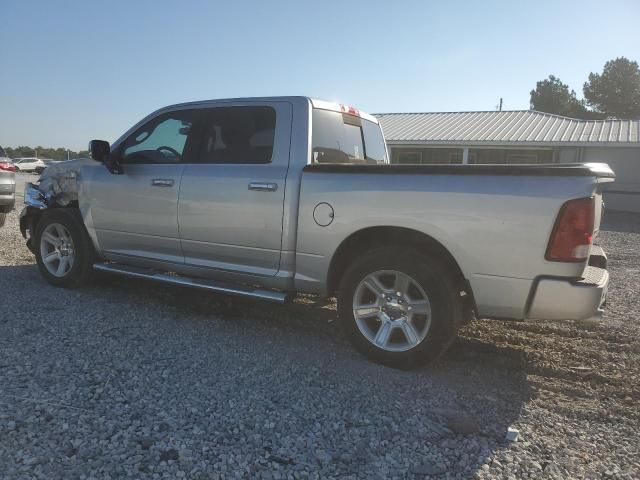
point(392, 310)
point(56, 249)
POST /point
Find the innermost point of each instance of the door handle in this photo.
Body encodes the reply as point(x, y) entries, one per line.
point(263, 186)
point(162, 182)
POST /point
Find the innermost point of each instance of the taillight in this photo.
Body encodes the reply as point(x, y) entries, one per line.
point(573, 232)
point(7, 167)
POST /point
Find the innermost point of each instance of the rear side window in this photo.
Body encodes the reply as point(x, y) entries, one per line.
point(343, 138)
point(238, 135)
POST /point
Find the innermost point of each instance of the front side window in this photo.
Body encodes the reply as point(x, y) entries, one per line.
point(162, 140)
point(238, 135)
point(343, 138)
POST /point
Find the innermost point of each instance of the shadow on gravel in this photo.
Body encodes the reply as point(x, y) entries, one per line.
point(476, 391)
point(455, 412)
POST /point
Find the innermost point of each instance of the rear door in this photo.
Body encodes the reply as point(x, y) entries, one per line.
point(230, 210)
point(135, 215)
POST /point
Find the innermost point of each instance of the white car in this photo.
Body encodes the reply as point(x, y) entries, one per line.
point(29, 164)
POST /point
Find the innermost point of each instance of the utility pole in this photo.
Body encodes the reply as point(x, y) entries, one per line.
point(500, 107)
point(67, 154)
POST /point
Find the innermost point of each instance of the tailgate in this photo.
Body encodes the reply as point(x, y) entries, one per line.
point(604, 175)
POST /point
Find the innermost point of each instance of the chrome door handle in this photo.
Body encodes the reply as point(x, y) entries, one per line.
point(162, 182)
point(263, 186)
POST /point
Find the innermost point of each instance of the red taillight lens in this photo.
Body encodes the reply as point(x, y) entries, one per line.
point(573, 232)
point(8, 167)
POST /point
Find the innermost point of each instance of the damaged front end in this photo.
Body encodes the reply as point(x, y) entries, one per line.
point(57, 188)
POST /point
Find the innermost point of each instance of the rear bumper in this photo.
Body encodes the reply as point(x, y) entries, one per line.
point(562, 299)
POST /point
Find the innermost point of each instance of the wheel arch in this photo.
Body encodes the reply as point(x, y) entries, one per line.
point(368, 238)
point(29, 220)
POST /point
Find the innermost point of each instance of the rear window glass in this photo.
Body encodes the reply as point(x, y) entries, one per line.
point(343, 138)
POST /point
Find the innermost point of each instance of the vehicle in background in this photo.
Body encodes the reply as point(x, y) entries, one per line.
point(267, 197)
point(7, 187)
point(29, 164)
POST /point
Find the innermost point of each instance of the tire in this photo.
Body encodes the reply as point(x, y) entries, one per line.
point(77, 252)
point(412, 339)
point(3, 218)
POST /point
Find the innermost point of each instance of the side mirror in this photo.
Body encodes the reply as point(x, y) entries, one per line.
point(99, 150)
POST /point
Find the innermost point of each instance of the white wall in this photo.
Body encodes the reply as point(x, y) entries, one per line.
point(625, 162)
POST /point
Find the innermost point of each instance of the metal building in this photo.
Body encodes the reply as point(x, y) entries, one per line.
point(523, 136)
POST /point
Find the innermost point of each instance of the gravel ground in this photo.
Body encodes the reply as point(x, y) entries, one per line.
point(127, 379)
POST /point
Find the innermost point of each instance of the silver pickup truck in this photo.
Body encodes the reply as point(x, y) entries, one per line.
point(266, 197)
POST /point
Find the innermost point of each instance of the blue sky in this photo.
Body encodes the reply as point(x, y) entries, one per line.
point(73, 71)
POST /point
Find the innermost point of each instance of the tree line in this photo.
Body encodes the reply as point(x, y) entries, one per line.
point(614, 93)
point(44, 152)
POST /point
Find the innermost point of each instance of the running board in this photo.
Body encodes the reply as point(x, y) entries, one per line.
point(201, 283)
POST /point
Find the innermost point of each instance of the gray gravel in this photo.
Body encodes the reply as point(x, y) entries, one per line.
point(127, 379)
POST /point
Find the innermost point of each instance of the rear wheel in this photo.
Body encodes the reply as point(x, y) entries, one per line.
point(63, 249)
point(399, 307)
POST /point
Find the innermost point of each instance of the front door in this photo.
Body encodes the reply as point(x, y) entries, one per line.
point(135, 214)
point(231, 203)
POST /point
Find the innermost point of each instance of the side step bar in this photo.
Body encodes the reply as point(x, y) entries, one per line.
point(201, 283)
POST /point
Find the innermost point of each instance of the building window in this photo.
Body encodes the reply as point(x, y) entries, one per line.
point(455, 157)
point(509, 156)
point(522, 158)
point(409, 157)
point(426, 156)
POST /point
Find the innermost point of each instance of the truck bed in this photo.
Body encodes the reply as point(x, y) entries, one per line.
point(550, 169)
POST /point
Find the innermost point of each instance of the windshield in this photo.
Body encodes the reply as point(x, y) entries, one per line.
point(343, 138)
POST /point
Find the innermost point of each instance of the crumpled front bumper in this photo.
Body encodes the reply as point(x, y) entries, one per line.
point(582, 299)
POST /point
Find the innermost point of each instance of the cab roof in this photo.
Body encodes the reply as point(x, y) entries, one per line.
point(315, 103)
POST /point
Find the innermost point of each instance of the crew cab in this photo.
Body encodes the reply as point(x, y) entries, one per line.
point(268, 197)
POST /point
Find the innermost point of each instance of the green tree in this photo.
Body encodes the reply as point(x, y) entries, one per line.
point(44, 152)
point(616, 91)
point(553, 96)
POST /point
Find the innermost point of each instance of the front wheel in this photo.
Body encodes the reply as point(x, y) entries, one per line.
point(399, 307)
point(3, 219)
point(64, 252)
